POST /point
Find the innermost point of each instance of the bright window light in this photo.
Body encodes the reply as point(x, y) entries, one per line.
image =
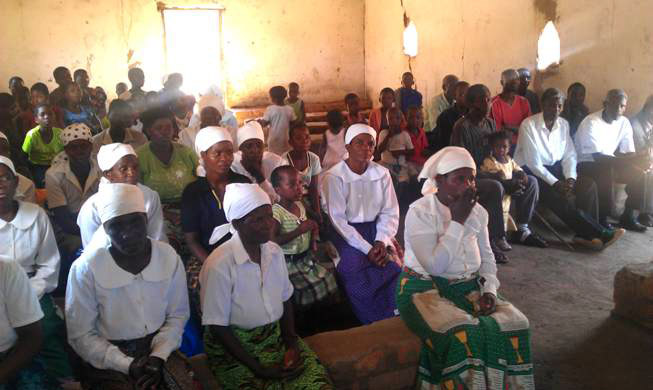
point(548, 47)
point(410, 39)
point(193, 47)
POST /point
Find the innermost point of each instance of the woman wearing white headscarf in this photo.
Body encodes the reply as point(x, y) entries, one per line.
point(246, 303)
point(119, 164)
point(127, 303)
point(201, 212)
point(28, 239)
point(360, 200)
point(26, 190)
point(253, 161)
point(447, 292)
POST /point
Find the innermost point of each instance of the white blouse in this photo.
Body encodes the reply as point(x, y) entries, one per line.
point(105, 302)
point(18, 303)
point(90, 225)
point(29, 240)
point(438, 246)
point(348, 197)
point(236, 291)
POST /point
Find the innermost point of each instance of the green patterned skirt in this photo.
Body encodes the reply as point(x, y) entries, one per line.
point(266, 345)
point(462, 349)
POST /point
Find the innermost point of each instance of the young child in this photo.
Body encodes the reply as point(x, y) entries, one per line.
point(354, 114)
point(121, 88)
point(278, 116)
point(503, 168)
point(41, 95)
point(332, 149)
point(295, 102)
point(407, 96)
point(415, 128)
point(379, 116)
point(394, 147)
point(307, 164)
point(296, 233)
point(42, 143)
point(75, 112)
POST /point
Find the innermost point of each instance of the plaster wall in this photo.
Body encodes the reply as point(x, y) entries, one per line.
point(317, 43)
point(604, 44)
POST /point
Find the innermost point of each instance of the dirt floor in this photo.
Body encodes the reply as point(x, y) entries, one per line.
point(567, 297)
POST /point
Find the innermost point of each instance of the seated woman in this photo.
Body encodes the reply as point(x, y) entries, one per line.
point(127, 303)
point(201, 212)
point(21, 334)
point(362, 205)
point(296, 230)
point(246, 305)
point(167, 168)
point(71, 179)
point(27, 239)
point(447, 292)
point(119, 164)
point(253, 161)
point(26, 190)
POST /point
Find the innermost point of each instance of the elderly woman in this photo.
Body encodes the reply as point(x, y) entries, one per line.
point(167, 168)
point(447, 292)
point(127, 303)
point(253, 161)
point(246, 303)
point(119, 164)
point(28, 239)
point(360, 200)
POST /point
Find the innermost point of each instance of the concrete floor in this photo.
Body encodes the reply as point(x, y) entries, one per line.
point(567, 297)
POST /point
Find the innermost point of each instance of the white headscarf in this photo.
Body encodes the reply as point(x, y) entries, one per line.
point(446, 160)
point(110, 154)
point(359, 128)
point(3, 136)
point(6, 161)
point(240, 199)
point(206, 138)
point(116, 199)
point(211, 101)
point(250, 130)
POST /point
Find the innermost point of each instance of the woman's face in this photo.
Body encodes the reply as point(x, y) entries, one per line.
point(79, 150)
point(252, 150)
point(361, 148)
point(73, 93)
point(161, 130)
point(218, 158)
point(128, 233)
point(8, 183)
point(124, 171)
point(257, 225)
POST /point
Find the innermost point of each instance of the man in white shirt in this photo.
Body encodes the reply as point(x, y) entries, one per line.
point(606, 153)
point(545, 150)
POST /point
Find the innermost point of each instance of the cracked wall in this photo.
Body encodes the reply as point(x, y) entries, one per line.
point(605, 44)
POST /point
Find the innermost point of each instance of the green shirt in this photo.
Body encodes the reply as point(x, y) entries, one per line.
point(37, 150)
point(169, 180)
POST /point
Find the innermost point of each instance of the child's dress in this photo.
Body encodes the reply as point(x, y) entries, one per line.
point(491, 165)
point(312, 281)
point(279, 118)
point(398, 166)
point(335, 149)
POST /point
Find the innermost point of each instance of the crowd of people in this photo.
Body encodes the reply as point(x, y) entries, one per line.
point(184, 244)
